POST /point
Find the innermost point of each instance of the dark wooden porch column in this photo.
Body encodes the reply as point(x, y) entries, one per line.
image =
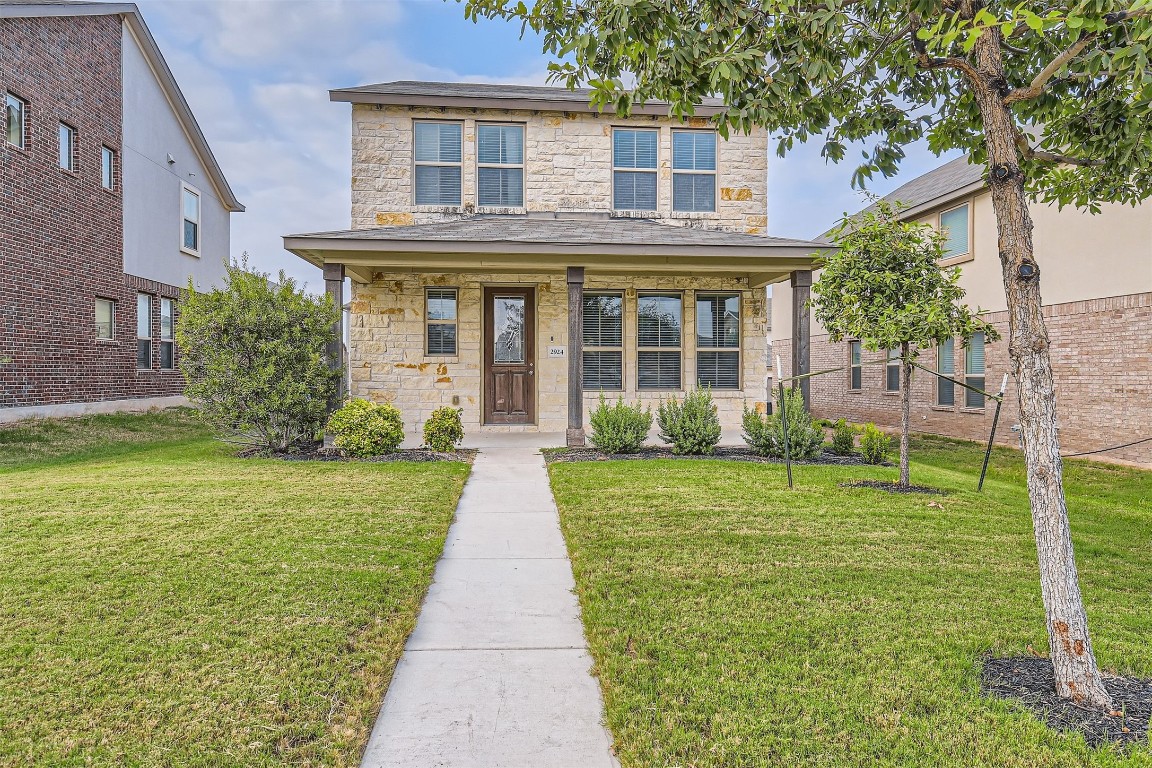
point(575, 357)
point(802, 331)
point(334, 350)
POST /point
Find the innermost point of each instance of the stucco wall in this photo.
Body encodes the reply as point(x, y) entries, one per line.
point(568, 167)
point(387, 361)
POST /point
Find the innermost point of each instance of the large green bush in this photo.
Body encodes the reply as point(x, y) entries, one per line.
point(874, 444)
point(691, 425)
point(253, 355)
point(444, 429)
point(843, 438)
point(765, 434)
point(362, 428)
point(620, 428)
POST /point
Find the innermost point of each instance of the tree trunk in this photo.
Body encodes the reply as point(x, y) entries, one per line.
point(905, 411)
point(1077, 676)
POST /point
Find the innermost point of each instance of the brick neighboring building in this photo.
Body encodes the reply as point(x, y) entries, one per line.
point(110, 202)
point(1096, 281)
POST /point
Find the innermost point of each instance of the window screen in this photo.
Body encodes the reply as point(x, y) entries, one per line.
point(718, 341)
point(634, 169)
point(945, 364)
point(603, 336)
point(440, 320)
point(974, 371)
point(954, 226)
point(659, 319)
point(500, 165)
point(693, 171)
point(437, 150)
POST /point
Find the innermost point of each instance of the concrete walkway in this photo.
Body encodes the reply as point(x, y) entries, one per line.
point(496, 673)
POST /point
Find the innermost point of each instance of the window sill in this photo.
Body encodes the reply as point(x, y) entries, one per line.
point(698, 215)
point(943, 408)
point(630, 213)
point(438, 209)
point(890, 393)
point(443, 358)
point(190, 252)
point(972, 410)
point(496, 210)
point(952, 261)
point(855, 391)
point(112, 192)
point(68, 173)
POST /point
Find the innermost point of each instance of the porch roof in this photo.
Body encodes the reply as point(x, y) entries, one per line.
point(552, 242)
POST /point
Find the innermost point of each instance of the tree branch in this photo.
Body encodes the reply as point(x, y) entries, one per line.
point(1030, 153)
point(1041, 80)
point(924, 61)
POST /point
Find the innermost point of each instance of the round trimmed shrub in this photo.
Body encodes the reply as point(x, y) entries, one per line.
point(362, 428)
point(444, 429)
point(620, 428)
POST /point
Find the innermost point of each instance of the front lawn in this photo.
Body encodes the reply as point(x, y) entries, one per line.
point(163, 603)
point(735, 623)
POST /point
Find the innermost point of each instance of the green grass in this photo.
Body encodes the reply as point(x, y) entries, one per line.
point(165, 604)
point(735, 623)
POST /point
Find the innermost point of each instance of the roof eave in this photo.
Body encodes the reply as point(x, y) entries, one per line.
point(353, 96)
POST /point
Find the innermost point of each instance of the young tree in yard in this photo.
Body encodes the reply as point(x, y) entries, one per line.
point(884, 286)
point(1053, 98)
point(253, 354)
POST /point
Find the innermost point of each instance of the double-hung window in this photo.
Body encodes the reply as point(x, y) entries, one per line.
point(167, 341)
point(974, 371)
point(143, 332)
point(67, 147)
point(105, 319)
point(603, 341)
point(855, 365)
point(500, 165)
point(15, 109)
point(946, 366)
point(190, 214)
point(659, 320)
point(892, 370)
point(440, 321)
point(634, 169)
point(954, 227)
point(718, 341)
point(438, 153)
point(693, 171)
point(107, 168)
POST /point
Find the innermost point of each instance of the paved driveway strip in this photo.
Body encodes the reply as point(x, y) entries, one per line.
point(496, 673)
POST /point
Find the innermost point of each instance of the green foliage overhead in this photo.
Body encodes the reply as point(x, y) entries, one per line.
point(885, 287)
point(253, 354)
point(362, 428)
point(883, 73)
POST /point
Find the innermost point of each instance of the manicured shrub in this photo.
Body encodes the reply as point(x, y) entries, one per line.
point(765, 434)
point(444, 429)
point(362, 428)
point(620, 428)
point(843, 438)
point(874, 444)
point(690, 426)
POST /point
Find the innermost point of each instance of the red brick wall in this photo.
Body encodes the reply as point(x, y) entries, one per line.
point(61, 233)
point(1101, 359)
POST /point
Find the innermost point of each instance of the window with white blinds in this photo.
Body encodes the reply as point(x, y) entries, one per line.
point(974, 371)
point(440, 321)
point(946, 365)
point(634, 157)
point(954, 227)
point(693, 171)
point(855, 366)
point(659, 322)
point(603, 341)
point(718, 341)
point(437, 153)
point(500, 165)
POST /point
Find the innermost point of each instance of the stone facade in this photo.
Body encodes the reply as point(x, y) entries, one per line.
point(388, 364)
point(568, 167)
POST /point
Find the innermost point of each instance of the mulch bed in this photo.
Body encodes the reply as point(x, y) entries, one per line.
point(723, 453)
point(321, 453)
point(1029, 681)
point(891, 487)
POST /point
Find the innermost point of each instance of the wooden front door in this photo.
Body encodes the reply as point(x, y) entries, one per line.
point(509, 356)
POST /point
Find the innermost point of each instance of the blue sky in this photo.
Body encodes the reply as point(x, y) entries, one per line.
point(257, 74)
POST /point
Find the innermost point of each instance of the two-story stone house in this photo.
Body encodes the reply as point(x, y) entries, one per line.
point(515, 252)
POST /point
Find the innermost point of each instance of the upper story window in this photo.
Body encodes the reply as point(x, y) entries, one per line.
point(603, 341)
point(190, 211)
point(440, 321)
point(14, 111)
point(67, 147)
point(855, 365)
point(954, 226)
point(107, 168)
point(718, 341)
point(693, 171)
point(634, 169)
point(974, 371)
point(500, 165)
point(659, 320)
point(438, 152)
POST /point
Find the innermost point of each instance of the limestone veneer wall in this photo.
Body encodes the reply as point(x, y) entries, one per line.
point(387, 361)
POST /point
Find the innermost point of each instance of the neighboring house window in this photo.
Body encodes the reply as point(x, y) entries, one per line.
point(974, 371)
point(634, 169)
point(718, 341)
point(500, 165)
point(190, 234)
point(167, 344)
point(954, 227)
point(892, 370)
point(105, 319)
point(855, 369)
point(67, 153)
point(107, 168)
point(438, 162)
point(659, 319)
point(693, 171)
point(946, 365)
point(440, 319)
point(143, 331)
point(14, 111)
point(603, 341)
